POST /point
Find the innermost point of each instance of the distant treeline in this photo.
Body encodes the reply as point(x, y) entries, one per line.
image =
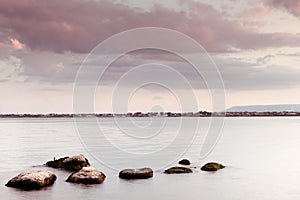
point(157, 114)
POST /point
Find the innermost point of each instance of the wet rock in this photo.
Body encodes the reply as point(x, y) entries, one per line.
point(56, 163)
point(87, 175)
point(142, 173)
point(178, 170)
point(32, 180)
point(184, 162)
point(212, 166)
point(73, 163)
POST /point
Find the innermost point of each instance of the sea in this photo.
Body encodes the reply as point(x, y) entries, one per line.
point(261, 155)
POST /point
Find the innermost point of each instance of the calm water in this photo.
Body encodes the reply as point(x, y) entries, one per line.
point(262, 155)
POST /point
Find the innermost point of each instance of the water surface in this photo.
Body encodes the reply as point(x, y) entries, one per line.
point(262, 155)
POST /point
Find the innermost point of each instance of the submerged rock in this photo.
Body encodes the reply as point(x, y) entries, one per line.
point(184, 162)
point(32, 180)
point(142, 173)
point(87, 175)
point(212, 167)
point(69, 163)
point(178, 170)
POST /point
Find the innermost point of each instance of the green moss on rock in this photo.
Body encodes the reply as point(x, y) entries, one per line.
point(212, 166)
point(178, 170)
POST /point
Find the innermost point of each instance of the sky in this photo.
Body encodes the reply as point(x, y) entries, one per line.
point(255, 45)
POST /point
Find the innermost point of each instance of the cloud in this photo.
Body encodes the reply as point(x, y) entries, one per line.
point(11, 69)
point(49, 67)
point(157, 98)
point(78, 26)
point(241, 75)
point(255, 12)
point(253, 17)
point(238, 73)
point(16, 44)
point(292, 6)
point(48, 28)
point(264, 60)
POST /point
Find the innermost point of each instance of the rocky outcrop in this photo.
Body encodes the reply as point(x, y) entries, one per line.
point(87, 175)
point(73, 163)
point(178, 170)
point(32, 180)
point(142, 173)
point(184, 162)
point(212, 166)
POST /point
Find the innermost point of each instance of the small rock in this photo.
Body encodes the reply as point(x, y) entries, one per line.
point(142, 173)
point(56, 163)
point(87, 175)
point(178, 170)
point(184, 162)
point(212, 167)
point(32, 180)
point(69, 163)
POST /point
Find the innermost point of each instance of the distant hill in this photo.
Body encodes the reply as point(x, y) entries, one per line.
point(266, 108)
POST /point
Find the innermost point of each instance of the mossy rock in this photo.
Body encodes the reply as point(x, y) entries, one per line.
point(184, 162)
point(178, 170)
point(212, 167)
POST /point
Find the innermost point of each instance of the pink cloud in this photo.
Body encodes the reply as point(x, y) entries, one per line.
point(16, 44)
point(292, 6)
point(78, 26)
point(255, 12)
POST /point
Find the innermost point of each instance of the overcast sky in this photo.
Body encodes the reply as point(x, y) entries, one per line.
point(254, 43)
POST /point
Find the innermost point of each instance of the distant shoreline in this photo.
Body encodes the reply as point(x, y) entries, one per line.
point(155, 114)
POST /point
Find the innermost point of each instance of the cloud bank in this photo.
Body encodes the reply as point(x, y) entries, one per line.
point(292, 6)
point(79, 25)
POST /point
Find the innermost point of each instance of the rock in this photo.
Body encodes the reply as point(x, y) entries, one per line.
point(73, 163)
point(56, 163)
point(178, 170)
point(142, 173)
point(212, 167)
point(32, 180)
point(87, 175)
point(184, 162)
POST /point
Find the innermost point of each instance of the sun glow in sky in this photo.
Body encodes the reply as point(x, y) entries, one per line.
point(255, 44)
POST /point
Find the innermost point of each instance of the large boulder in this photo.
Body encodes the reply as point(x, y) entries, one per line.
point(212, 166)
point(184, 162)
point(178, 170)
point(32, 180)
point(142, 173)
point(87, 175)
point(73, 163)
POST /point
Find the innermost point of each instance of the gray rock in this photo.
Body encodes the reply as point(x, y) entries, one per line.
point(32, 180)
point(87, 175)
point(142, 173)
